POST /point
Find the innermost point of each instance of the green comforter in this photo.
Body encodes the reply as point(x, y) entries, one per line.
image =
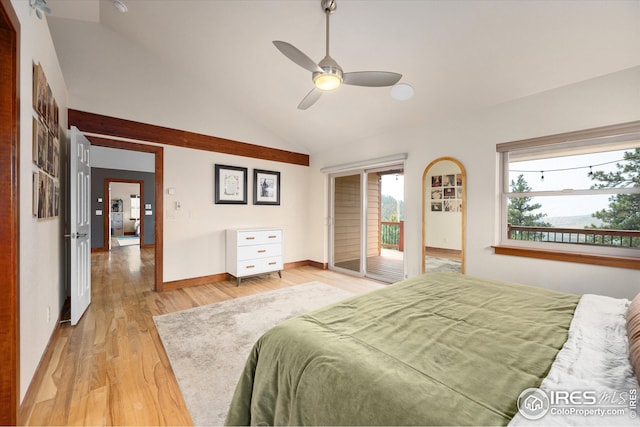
point(439, 349)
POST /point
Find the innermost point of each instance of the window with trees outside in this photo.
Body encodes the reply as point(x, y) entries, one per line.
point(575, 193)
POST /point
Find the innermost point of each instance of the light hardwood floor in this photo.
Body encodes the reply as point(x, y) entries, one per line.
point(111, 369)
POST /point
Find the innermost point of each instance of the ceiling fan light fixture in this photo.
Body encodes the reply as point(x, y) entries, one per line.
point(327, 81)
point(327, 74)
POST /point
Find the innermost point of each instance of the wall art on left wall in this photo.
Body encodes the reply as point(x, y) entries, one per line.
point(46, 147)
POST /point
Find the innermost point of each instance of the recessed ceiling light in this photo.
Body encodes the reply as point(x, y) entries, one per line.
point(401, 92)
point(122, 8)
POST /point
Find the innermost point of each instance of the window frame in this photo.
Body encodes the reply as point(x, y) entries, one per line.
point(615, 257)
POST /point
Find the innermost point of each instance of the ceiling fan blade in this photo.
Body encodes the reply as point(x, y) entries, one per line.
point(296, 55)
point(371, 78)
point(310, 99)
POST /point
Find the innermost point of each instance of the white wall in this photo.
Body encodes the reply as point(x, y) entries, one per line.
point(471, 139)
point(113, 158)
point(41, 256)
point(194, 235)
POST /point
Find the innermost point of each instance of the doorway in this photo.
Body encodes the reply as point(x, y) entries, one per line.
point(367, 227)
point(157, 191)
point(125, 199)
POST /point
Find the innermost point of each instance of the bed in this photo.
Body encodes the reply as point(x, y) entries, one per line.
point(438, 349)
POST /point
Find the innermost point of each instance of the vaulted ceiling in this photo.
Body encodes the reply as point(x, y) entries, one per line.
point(459, 56)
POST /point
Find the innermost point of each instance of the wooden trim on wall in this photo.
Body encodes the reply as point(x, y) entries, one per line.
point(222, 277)
point(295, 264)
point(159, 193)
point(9, 214)
point(581, 258)
point(195, 281)
point(320, 265)
point(105, 125)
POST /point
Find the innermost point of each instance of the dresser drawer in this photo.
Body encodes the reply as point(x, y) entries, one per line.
point(259, 237)
point(260, 265)
point(259, 251)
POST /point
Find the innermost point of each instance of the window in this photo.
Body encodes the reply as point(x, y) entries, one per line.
point(575, 193)
point(135, 206)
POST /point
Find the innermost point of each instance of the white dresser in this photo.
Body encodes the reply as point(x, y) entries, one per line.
point(252, 251)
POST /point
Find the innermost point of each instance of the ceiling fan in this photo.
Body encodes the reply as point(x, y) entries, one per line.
point(327, 74)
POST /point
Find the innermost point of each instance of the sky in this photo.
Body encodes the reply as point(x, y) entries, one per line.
point(392, 186)
point(574, 176)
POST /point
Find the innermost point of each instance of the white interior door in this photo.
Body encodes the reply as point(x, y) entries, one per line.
point(80, 221)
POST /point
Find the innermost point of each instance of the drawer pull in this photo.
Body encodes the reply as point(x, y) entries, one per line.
point(262, 251)
point(273, 237)
point(273, 263)
point(250, 238)
point(250, 266)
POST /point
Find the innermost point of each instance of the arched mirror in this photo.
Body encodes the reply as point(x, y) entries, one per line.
point(444, 207)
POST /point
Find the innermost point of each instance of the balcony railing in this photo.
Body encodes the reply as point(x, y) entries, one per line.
point(392, 235)
point(584, 236)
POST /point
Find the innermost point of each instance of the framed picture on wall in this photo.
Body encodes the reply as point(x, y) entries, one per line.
point(230, 185)
point(36, 194)
point(266, 187)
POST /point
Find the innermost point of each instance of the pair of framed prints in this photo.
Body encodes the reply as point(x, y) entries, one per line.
point(231, 186)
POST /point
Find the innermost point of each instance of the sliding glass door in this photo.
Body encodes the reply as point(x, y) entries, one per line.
point(347, 222)
point(385, 224)
point(367, 218)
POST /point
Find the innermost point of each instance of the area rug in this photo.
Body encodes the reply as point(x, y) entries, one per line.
point(435, 264)
point(208, 346)
point(128, 240)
